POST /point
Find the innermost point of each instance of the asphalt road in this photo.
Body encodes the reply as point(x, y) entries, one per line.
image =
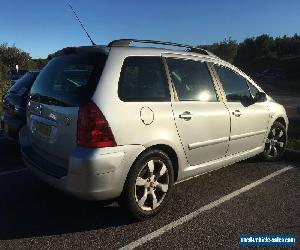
point(36, 216)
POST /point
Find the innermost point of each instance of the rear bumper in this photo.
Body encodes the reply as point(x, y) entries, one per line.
point(12, 126)
point(92, 174)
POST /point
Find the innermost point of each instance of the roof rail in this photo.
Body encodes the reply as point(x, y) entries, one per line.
point(127, 42)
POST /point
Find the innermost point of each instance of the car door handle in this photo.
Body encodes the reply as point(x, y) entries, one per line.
point(237, 113)
point(186, 116)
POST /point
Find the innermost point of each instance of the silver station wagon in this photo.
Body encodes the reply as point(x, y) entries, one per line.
point(122, 122)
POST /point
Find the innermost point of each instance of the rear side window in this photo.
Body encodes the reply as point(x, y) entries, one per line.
point(143, 79)
point(69, 80)
point(234, 85)
point(192, 80)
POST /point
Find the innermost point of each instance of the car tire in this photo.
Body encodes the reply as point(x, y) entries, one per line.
point(276, 143)
point(149, 184)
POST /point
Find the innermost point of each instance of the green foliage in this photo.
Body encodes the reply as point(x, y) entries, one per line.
point(9, 57)
point(226, 49)
point(4, 83)
point(256, 54)
point(40, 63)
point(252, 50)
point(4, 86)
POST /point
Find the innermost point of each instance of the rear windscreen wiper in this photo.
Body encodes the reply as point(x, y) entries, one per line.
point(46, 99)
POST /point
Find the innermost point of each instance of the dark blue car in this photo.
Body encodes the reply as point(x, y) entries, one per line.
point(15, 101)
point(14, 75)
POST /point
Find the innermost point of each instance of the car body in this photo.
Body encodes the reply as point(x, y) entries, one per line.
point(165, 110)
point(14, 104)
point(13, 75)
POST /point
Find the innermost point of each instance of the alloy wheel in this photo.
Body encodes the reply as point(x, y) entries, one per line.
point(276, 142)
point(152, 184)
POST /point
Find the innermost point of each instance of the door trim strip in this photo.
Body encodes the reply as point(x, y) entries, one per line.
point(208, 142)
point(236, 137)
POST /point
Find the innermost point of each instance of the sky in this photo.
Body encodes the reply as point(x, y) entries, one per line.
point(41, 27)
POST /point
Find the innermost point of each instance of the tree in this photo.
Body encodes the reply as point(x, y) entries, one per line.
point(40, 62)
point(253, 48)
point(10, 56)
point(226, 49)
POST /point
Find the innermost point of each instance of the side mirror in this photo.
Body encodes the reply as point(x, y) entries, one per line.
point(260, 97)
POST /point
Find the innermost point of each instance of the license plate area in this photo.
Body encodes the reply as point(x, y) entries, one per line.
point(43, 129)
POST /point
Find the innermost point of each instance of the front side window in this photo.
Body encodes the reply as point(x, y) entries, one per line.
point(143, 79)
point(192, 80)
point(234, 85)
point(253, 89)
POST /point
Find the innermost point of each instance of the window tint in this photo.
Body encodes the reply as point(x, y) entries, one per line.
point(234, 85)
point(68, 80)
point(192, 80)
point(143, 79)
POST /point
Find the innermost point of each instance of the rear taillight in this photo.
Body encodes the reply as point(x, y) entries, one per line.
point(92, 128)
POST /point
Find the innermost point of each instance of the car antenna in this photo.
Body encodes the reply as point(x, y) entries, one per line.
point(81, 24)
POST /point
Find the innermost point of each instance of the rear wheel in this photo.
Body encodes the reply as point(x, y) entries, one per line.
point(276, 142)
point(149, 183)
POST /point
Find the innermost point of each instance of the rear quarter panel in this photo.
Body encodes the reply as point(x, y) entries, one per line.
point(125, 119)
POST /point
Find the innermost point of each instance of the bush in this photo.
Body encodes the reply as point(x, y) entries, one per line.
point(10, 56)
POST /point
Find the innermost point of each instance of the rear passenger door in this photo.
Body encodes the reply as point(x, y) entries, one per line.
point(202, 120)
point(249, 119)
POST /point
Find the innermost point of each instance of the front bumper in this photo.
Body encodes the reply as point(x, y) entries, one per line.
point(92, 174)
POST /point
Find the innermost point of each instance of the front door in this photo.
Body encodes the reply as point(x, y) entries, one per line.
point(249, 119)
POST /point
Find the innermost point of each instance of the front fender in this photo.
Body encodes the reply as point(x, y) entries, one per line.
point(277, 112)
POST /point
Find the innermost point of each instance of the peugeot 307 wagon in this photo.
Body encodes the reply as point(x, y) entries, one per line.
point(121, 122)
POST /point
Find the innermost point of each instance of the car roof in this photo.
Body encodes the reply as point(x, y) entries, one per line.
point(127, 44)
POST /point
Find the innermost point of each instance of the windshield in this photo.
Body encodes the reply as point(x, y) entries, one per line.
point(68, 80)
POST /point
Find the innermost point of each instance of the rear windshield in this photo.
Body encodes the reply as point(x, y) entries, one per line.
point(68, 80)
point(24, 83)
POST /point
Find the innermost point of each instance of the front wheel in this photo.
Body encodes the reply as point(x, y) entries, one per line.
point(276, 142)
point(148, 185)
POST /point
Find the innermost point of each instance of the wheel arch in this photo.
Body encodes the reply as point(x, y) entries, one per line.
point(171, 153)
point(169, 150)
point(281, 120)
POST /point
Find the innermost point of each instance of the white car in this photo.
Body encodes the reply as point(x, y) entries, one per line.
point(124, 122)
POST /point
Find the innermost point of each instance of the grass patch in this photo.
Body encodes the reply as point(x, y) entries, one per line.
point(294, 144)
